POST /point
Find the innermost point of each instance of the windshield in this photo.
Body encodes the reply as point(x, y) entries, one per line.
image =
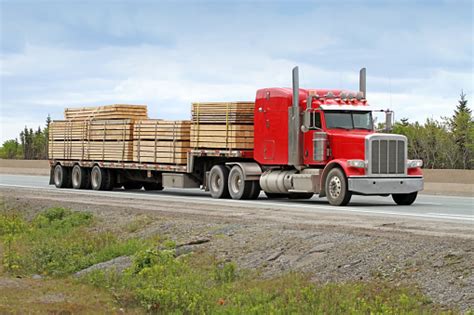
point(348, 120)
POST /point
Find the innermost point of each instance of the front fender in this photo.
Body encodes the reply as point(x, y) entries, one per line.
point(342, 164)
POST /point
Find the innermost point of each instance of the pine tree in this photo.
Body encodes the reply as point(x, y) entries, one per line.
point(462, 106)
point(461, 126)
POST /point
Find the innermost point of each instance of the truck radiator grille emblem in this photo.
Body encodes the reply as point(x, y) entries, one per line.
point(388, 156)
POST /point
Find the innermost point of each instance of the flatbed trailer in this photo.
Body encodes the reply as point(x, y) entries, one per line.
point(305, 142)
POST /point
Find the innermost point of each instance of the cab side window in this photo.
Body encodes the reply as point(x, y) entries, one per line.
point(315, 121)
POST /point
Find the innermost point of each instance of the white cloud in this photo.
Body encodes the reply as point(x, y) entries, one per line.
point(416, 67)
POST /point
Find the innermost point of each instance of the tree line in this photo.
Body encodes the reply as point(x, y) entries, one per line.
point(30, 145)
point(444, 143)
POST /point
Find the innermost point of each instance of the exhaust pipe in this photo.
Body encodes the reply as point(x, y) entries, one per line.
point(362, 82)
point(294, 125)
point(296, 87)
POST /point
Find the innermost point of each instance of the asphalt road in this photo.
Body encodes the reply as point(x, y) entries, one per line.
point(445, 208)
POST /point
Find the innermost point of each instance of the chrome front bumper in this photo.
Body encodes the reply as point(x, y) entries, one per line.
point(382, 186)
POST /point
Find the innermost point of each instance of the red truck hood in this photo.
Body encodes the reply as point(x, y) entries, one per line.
point(347, 144)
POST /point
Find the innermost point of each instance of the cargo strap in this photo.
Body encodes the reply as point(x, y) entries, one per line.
point(174, 142)
point(197, 126)
point(139, 140)
point(156, 141)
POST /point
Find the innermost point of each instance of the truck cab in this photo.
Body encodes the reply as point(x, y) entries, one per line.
point(330, 137)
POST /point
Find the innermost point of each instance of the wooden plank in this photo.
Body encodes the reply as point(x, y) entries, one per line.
point(116, 111)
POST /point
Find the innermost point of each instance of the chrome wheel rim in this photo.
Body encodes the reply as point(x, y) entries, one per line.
point(335, 187)
point(76, 174)
point(57, 175)
point(236, 183)
point(216, 182)
point(95, 178)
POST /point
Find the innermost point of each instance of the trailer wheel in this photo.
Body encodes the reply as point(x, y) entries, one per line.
point(101, 179)
point(238, 187)
point(62, 177)
point(218, 178)
point(81, 178)
point(300, 195)
point(153, 186)
point(404, 199)
point(336, 188)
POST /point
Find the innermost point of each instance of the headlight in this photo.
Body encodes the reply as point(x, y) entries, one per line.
point(356, 163)
point(414, 163)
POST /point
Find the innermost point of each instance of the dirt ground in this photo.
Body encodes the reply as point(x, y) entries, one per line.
point(437, 259)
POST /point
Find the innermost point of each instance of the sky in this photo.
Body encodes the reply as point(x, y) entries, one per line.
point(167, 54)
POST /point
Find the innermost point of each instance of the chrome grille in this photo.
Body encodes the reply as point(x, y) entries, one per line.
point(387, 154)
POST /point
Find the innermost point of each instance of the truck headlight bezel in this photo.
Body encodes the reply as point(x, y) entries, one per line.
point(414, 163)
point(357, 163)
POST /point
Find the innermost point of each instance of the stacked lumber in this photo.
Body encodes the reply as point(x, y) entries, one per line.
point(227, 126)
point(161, 141)
point(107, 140)
point(117, 111)
point(219, 112)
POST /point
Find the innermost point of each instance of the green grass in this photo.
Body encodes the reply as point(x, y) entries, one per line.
point(197, 284)
point(57, 242)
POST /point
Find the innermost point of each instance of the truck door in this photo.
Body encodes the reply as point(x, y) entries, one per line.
point(308, 147)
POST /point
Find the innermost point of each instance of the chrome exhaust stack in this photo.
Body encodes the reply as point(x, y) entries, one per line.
point(363, 82)
point(294, 125)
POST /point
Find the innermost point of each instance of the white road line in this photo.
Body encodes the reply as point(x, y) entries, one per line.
point(260, 204)
point(471, 216)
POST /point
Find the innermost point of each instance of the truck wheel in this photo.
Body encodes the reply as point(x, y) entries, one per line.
point(300, 195)
point(256, 189)
point(101, 179)
point(132, 185)
point(153, 186)
point(238, 187)
point(81, 178)
point(218, 178)
point(275, 195)
point(404, 199)
point(336, 188)
point(62, 177)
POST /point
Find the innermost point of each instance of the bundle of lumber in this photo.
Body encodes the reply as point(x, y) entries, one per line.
point(117, 111)
point(91, 130)
point(222, 113)
point(227, 126)
point(161, 141)
point(108, 140)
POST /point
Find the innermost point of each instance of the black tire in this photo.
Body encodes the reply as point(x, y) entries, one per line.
point(218, 179)
point(300, 195)
point(256, 189)
point(239, 188)
point(132, 185)
point(101, 179)
point(81, 177)
point(336, 188)
point(404, 199)
point(275, 195)
point(62, 177)
point(153, 186)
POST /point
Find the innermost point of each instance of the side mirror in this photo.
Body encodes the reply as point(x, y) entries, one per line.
point(306, 121)
point(388, 120)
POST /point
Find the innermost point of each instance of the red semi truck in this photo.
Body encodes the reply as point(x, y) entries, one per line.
point(306, 142)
